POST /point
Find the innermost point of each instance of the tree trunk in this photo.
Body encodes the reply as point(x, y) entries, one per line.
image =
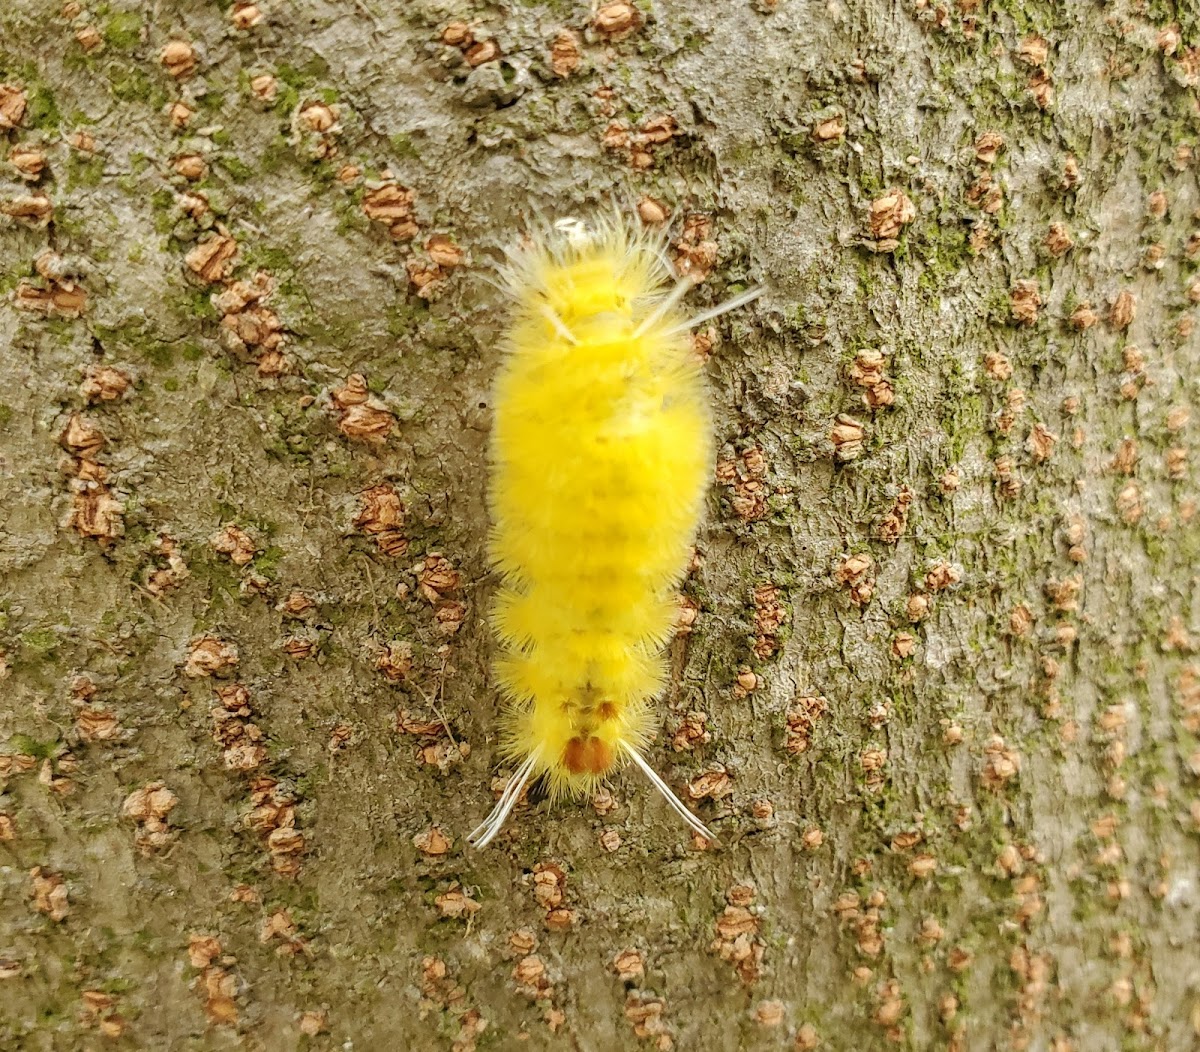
point(936, 685)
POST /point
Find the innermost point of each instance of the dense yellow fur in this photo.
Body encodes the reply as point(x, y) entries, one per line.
point(601, 453)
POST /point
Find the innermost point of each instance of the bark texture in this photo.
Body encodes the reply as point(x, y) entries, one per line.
point(937, 687)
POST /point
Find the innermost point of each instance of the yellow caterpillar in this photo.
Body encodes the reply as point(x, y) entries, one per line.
point(601, 454)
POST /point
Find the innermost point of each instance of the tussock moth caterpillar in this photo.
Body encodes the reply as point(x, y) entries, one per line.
point(600, 457)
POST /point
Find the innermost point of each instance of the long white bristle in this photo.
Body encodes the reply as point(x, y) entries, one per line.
point(558, 325)
point(693, 822)
point(668, 301)
point(486, 831)
point(749, 296)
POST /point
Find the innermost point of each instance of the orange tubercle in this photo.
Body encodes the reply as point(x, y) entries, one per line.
point(587, 755)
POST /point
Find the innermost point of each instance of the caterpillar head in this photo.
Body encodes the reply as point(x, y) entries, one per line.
point(586, 270)
point(574, 231)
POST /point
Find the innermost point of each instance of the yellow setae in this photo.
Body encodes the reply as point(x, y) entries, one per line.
point(601, 454)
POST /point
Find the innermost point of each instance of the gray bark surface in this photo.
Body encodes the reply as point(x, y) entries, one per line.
point(940, 698)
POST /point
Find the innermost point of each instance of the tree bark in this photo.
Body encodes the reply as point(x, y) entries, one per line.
point(936, 685)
